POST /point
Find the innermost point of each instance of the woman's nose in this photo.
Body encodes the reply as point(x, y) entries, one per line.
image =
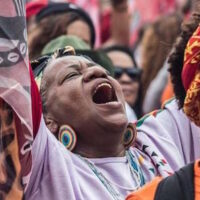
point(125, 78)
point(94, 72)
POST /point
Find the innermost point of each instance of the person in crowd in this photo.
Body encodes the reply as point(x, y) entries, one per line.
point(137, 46)
point(98, 56)
point(152, 100)
point(184, 61)
point(128, 74)
point(32, 9)
point(58, 19)
point(62, 18)
point(168, 91)
point(78, 107)
point(183, 184)
point(184, 69)
point(113, 32)
point(88, 137)
point(156, 44)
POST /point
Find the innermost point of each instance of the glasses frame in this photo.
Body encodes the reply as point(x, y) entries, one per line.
point(133, 72)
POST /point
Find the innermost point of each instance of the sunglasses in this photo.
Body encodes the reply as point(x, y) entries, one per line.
point(133, 73)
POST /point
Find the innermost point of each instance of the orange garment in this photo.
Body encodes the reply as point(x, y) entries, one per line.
point(147, 192)
point(197, 180)
point(10, 168)
point(168, 92)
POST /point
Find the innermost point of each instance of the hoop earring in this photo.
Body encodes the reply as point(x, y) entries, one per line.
point(67, 137)
point(130, 135)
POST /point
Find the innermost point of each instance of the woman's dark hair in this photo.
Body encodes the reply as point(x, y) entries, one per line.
point(187, 7)
point(157, 42)
point(123, 49)
point(51, 22)
point(176, 57)
point(138, 104)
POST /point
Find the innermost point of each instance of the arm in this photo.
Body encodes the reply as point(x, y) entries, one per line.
point(172, 124)
point(183, 132)
point(120, 24)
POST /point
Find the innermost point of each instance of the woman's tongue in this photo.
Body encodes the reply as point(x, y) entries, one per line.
point(103, 95)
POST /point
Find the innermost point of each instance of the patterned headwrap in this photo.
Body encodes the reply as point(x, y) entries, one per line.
point(39, 64)
point(191, 78)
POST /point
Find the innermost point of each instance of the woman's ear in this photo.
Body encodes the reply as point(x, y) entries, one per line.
point(51, 124)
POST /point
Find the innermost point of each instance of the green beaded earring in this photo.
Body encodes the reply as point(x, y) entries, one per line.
point(130, 135)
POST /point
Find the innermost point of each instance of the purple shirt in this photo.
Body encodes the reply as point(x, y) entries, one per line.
point(60, 174)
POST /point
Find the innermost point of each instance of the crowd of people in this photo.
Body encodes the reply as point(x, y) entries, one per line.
point(110, 121)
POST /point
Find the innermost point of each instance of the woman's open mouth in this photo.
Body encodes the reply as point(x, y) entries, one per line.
point(104, 93)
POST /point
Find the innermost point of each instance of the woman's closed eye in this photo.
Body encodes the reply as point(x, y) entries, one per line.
point(70, 76)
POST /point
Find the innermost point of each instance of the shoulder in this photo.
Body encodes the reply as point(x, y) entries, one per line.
point(169, 117)
point(168, 105)
point(155, 132)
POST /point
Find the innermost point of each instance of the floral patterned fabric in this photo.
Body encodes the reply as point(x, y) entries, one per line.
point(191, 78)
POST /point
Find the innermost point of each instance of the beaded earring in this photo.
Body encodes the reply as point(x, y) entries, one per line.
point(67, 137)
point(130, 135)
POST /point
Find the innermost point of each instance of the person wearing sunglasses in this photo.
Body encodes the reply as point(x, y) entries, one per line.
point(128, 75)
point(132, 73)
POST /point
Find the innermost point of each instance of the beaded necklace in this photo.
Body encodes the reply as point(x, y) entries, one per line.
point(135, 172)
